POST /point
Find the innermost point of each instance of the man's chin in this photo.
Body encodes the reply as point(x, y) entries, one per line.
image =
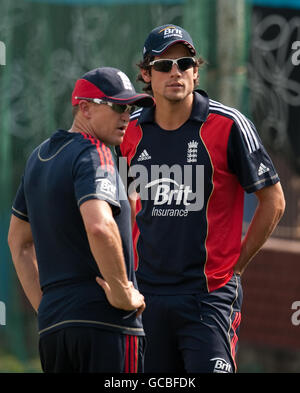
point(175, 96)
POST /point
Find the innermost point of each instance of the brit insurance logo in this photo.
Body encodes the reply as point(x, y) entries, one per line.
point(221, 366)
point(174, 191)
point(171, 31)
point(165, 195)
point(105, 186)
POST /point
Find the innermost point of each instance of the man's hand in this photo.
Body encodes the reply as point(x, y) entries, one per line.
point(127, 299)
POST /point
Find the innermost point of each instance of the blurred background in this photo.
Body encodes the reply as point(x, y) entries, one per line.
point(252, 49)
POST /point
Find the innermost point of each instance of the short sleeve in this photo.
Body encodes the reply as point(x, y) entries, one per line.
point(95, 178)
point(248, 158)
point(19, 208)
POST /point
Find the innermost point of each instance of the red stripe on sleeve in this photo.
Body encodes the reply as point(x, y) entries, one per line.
point(109, 158)
point(97, 144)
point(100, 152)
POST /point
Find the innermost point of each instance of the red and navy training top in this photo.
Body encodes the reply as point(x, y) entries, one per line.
point(191, 183)
point(62, 173)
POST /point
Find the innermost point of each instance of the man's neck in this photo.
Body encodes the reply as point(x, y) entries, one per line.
point(170, 115)
point(81, 126)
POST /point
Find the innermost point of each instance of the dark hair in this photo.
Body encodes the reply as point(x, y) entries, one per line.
point(144, 65)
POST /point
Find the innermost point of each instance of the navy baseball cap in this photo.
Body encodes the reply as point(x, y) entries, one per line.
point(164, 36)
point(109, 84)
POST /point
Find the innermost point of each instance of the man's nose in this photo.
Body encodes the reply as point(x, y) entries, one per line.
point(175, 70)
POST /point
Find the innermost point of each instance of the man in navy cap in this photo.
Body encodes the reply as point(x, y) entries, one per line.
point(199, 157)
point(70, 236)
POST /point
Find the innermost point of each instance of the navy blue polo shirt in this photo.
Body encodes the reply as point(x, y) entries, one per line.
point(191, 183)
point(62, 173)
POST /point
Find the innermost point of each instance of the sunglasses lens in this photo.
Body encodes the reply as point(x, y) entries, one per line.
point(119, 108)
point(166, 65)
point(132, 109)
point(163, 65)
point(185, 63)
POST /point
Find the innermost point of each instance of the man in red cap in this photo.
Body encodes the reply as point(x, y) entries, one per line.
point(70, 236)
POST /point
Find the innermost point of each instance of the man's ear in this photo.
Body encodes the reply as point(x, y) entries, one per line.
point(196, 73)
point(85, 109)
point(146, 75)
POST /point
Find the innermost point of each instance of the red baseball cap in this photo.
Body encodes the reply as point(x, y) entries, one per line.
point(109, 84)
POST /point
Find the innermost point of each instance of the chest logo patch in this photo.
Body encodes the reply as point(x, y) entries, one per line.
point(144, 156)
point(192, 151)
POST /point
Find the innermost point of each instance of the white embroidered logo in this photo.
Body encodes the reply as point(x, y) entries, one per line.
point(126, 82)
point(105, 186)
point(221, 366)
point(144, 156)
point(172, 31)
point(262, 169)
point(192, 151)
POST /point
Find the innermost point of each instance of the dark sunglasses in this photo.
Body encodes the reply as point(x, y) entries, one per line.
point(165, 65)
point(119, 108)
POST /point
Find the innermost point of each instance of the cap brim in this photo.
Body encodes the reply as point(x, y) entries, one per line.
point(127, 99)
point(163, 48)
